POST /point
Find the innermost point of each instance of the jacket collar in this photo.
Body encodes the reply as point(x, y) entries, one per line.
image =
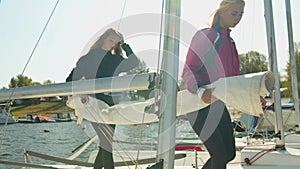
point(221, 30)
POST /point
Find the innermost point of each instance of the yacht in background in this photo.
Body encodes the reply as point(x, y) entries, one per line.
point(4, 115)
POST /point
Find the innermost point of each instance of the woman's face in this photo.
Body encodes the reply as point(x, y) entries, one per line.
point(230, 17)
point(110, 42)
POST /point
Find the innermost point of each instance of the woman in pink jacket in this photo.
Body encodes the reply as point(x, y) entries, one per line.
point(213, 55)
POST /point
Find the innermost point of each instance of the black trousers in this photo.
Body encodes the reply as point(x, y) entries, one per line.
point(105, 134)
point(213, 125)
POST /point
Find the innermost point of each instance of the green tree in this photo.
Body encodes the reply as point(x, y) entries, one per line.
point(20, 81)
point(252, 62)
point(288, 83)
point(47, 82)
point(35, 84)
point(181, 85)
point(141, 68)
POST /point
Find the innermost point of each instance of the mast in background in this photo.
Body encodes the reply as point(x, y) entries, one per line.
point(274, 68)
point(292, 61)
point(169, 78)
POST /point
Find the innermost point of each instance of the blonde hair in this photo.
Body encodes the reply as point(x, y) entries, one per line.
point(224, 5)
point(118, 47)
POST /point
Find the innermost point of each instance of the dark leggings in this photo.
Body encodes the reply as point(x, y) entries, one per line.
point(213, 125)
point(105, 134)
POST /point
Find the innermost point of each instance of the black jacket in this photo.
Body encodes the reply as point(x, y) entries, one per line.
point(99, 63)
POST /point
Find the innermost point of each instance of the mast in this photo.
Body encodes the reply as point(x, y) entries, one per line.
point(292, 61)
point(169, 77)
point(274, 68)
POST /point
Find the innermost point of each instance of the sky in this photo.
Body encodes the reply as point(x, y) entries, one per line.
point(75, 24)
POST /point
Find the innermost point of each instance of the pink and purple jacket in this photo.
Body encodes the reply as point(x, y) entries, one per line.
point(212, 55)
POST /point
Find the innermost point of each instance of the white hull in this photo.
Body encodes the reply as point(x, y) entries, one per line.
point(279, 159)
point(6, 118)
point(292, 141)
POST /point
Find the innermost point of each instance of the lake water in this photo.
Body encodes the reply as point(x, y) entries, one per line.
point(61, 139)
point(64, 137)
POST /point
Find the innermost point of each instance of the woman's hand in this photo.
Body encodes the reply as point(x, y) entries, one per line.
point(207, 96)
point(84, 98)
point(127, 49)
point(263, 101)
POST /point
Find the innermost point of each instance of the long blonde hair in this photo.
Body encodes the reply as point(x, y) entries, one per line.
point(224, 5)
point(118, 47)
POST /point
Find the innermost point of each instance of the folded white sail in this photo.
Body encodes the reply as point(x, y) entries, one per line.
point(243, 92)
point(240, 92)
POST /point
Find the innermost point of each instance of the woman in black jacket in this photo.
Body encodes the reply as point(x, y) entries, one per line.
point(105, 59)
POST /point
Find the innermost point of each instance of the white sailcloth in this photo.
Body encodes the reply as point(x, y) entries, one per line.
point(243, 92)
point(240, 92)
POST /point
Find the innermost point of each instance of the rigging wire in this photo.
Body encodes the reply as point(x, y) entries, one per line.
point(157, 81)
point(9, 100)
point(158, 73)
point(94, 108)
point(40, 37)
point(122, 13)
point(107, 134)
point(160, 46)
point(126, 153)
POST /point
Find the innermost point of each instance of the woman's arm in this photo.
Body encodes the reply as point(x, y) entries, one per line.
point(194, 64)
point(131, 62)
